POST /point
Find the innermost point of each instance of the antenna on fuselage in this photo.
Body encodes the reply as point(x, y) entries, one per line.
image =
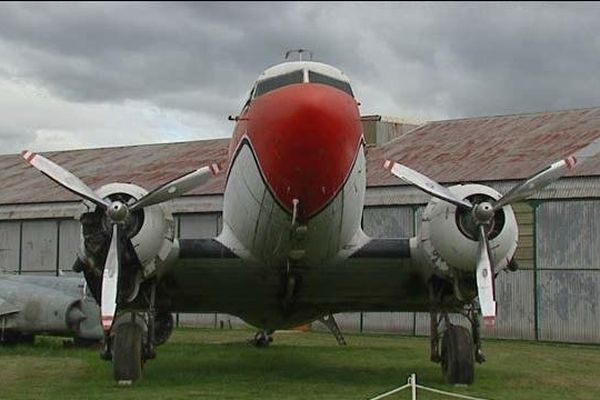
point(300, 52)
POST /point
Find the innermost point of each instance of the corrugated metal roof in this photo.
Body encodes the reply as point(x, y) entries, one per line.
point(146, 165)
point(490, 148)
point(476, 149)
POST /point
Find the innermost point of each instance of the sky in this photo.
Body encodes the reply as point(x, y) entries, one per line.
point(86, 75)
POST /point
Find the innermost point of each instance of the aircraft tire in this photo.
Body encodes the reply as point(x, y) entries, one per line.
point(127, 352)
point(163, 327)
point(262, 339)
point(458, 355)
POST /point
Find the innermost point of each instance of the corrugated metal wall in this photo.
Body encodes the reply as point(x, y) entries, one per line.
point(568, 271)
point(555, 295)
point(389, 222)
point(10, 246)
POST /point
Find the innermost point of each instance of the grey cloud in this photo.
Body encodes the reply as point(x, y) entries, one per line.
point(435, 60)
point(500, 58)
point(90, 53)
point(14, 137)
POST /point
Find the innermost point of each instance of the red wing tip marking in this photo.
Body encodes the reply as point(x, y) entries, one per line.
point(28, 155)
point(388, 164)
point(214, 168)
point(489, 321)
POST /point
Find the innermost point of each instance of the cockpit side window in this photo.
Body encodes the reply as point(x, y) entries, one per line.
point(247, 103)
point(315, 77)
point(276, 82)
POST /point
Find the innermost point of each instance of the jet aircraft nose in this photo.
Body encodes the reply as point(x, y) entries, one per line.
point(306, 138)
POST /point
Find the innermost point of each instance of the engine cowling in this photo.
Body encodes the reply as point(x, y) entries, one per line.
point(448, 235)
point(150, 231)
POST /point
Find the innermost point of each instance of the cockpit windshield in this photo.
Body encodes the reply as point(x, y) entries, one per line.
point(276, 82)
point(296, 72)
point(316, 77)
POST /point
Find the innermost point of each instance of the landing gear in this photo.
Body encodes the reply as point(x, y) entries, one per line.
point(473, 316)
point(127, 357)
point(129, 345)
point(262, 339)
point(458, 349)
point(330, 322)
point(163, 327)
point(457, 358)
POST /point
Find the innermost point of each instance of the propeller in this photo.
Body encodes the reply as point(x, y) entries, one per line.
point(484, 212)
point(117, 213)
point(110, 278)
point(485, 282)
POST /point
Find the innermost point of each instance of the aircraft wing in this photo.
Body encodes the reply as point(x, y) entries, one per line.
point(203, 248)
point(7, 308)
point(384, 248)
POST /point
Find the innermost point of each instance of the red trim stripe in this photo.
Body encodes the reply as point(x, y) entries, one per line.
point(28, 155)
point(214, 168)
point(570, 162)
point(489, 321)
point(107, 321)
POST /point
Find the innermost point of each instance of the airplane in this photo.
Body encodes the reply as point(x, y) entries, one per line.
point(292, 250)
point(48, 305)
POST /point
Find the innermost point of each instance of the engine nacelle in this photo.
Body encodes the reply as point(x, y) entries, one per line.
point(151, 231)
point(449, 236)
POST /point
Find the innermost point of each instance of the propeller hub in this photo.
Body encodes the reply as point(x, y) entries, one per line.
point(483, 212)
point(118, 211)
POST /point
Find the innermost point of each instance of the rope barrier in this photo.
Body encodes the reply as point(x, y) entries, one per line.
point(412, 383)
point(391, 392)
point(460, 396)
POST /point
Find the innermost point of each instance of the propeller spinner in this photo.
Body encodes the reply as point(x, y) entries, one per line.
point(117, 213)
point(484, 212)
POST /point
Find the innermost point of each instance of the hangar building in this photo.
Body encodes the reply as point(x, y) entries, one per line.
point(555, 296)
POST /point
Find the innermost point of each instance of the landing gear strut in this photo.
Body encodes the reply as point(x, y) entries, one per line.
point(330, 322)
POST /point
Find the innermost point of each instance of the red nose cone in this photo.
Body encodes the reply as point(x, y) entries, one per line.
point(306, 138)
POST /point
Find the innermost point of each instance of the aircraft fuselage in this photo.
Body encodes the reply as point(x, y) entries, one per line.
point(296, 180)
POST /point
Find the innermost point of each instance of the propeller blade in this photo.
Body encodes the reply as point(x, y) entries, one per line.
point(110, 279)
point(426, 184)
point(548, 175)
point(63, 177)
point(485, 284)
point(177, 187)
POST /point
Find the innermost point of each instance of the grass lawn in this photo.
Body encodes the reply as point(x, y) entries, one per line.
point(219, 364)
